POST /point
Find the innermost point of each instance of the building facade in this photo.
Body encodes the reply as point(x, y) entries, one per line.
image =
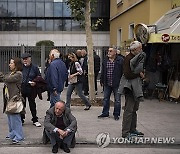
point(29, 21)
point(125, 14)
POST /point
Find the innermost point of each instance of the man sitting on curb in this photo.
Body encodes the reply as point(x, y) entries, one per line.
point(60, 126)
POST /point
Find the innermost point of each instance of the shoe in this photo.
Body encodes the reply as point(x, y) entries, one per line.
point(55, 148)
point(15, 141)
point(87, 107)
point(48, 99)
point(116, 118)
point(37, 124)
point(96, 93)
point(103, 116)
point(86, 94)
point(137, 133)
point(127, 136)
point(7, 138)
point(140, 99)
point(65, 148)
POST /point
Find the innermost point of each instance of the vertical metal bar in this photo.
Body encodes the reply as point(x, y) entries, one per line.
point(42, 60)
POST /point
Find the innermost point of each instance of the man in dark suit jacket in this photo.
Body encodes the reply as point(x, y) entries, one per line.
point(60, 126)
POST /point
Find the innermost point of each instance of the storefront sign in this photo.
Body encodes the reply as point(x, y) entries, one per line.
point(164, 38)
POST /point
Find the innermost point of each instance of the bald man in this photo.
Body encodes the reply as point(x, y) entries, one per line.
point(60, 126)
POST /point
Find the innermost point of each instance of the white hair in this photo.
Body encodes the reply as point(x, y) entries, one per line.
point(134, 45)
point(55, 52)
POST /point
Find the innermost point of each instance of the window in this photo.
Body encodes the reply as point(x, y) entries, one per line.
point(76, 26)
point(32, 25)
point(131, 31)
point(57, 9)
point(66, 25)
point(31, 11)
point(57, 25)
point(40, 25)
point(12, 9)
point(66, 10)
point(49, 25)
point(48, 9)
point(39, 9)
point(119, 37)
point(21, 9)
point(3, 9)
point(23, 25)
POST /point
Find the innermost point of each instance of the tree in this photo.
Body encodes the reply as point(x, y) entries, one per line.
point(81, 10)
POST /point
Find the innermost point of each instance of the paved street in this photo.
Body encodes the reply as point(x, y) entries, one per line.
point(156, 119)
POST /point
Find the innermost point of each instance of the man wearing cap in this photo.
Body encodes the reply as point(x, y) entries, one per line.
point(30, 72)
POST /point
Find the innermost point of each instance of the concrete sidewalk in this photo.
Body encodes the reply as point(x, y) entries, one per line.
point(155, 119)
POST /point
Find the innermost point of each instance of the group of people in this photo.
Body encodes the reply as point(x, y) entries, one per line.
point(60, 125)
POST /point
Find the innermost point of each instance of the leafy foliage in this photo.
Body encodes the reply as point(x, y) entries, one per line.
point(45, 43)
point(78, 9)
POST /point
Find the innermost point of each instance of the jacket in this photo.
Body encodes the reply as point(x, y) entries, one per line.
point(56, 75)
point(29, 74)
point(13, 83)
point(39, 88)
point(117, 72)
point(51, 120)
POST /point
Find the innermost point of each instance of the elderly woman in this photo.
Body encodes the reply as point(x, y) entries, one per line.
point(75, 81)
point(12, 88)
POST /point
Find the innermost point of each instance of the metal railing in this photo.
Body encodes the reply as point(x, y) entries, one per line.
point(6, 53)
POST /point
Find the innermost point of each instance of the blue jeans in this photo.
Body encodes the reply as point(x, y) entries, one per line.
point(15, 127)
point(78, 87)
point(106, 101)
point(54, 99)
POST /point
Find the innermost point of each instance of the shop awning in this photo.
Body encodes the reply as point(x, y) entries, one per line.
point(168, 28)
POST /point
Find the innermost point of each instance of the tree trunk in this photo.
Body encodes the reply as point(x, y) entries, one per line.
point(89, 51)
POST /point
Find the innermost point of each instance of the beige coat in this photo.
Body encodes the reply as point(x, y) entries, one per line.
point(13, 82)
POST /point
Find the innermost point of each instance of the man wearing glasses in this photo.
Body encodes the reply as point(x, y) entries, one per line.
point(111, 73)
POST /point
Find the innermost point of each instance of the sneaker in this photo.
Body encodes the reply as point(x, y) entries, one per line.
point(37, 124)
point(103, 116)
point(137, 133)
point(55, 148)
point(116, 118)
point(7, 138)
point(65, 148)
point(15, 141)
point(127, 136)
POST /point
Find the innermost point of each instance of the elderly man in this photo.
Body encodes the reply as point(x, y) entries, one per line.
point(110, 78)
point(60, 126)
point(56, 76)
point(30, 72)
point(131, 104)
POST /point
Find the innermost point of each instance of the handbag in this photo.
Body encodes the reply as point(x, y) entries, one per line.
point(14, 105)
point(73, 80)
